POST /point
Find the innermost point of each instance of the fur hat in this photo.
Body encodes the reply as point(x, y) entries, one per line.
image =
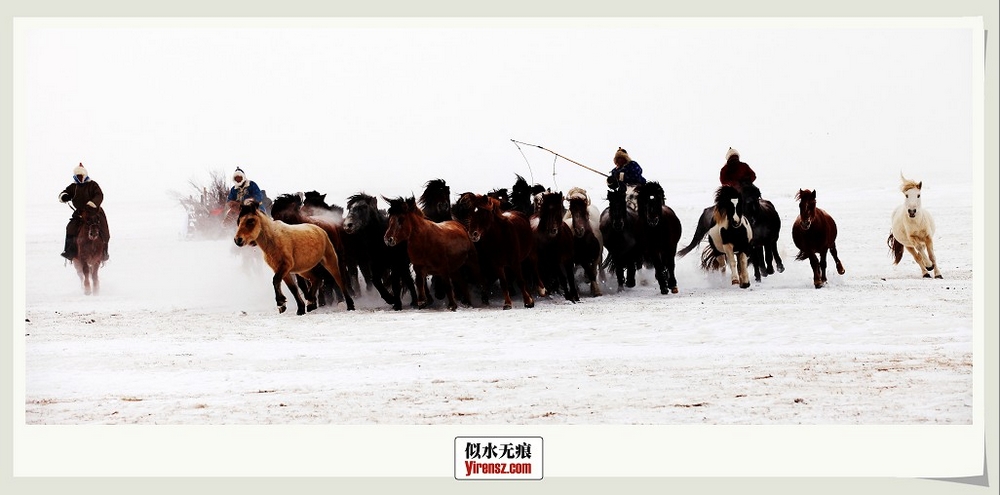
point(621, 157)
point(239, 173)
point(79, 170)
point(731, 153)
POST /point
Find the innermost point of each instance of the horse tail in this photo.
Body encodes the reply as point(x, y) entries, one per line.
point(704, 224)
point(895, 249)
point(709, 260)
point(801, 256)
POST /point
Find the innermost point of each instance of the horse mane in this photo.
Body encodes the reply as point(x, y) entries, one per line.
point(651, 188)
point(400, 206)
point(578, 192)
point(361, 197)
point(431, 188)
point(909, 184)
point(283, 200)
point(246, 209)
point(750, 192)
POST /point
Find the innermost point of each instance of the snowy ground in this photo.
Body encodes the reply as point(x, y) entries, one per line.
point(183, 333)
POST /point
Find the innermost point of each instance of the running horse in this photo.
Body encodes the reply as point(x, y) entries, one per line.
point(435, 248)
point(766, 226)
point(913, 228)
point(554, 241)
point(588, 243)
point(619, 228)
point(504, 244)
point(89, 250)
point(661, 230)
point(291, 250)
point(814, 233)
point(729, 238)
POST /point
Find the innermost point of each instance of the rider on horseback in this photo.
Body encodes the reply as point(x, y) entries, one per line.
point(244, 190)
point(736, 173)
point(627, 175)
point(84, 193)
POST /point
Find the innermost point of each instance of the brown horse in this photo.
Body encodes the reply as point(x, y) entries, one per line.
point(435, 248)
point(814, 232)
point(504, 242)
point(89, 250)
point(291, 250)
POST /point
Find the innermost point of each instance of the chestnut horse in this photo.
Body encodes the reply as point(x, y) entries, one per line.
point(913, 228)
point(89, 250)
point(661, 231)
point(504, 242)
point(435, 248)
point(814, 233)
point(290, 250)
point(729, 238)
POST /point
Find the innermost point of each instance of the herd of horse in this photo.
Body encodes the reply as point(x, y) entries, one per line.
point(534, 240)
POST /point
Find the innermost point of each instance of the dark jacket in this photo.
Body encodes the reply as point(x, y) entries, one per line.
point(248, 191)
point(79, 193)
point(631, 173)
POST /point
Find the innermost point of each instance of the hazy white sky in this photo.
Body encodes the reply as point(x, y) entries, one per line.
point(383, 106)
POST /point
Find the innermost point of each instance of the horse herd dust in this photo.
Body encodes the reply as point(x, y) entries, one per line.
point(186, 332)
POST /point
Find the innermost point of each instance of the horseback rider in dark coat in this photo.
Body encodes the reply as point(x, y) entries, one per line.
point(83, 192)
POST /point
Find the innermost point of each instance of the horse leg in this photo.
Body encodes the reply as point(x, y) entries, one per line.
point(929, 244)
point(671, 273)
point(741, 260)
point(529, 302)
point(421, 283)
point(660, 273)
point(822, 265)
point(757, 260)
point(836, 259)
point(569, 276)
point(505, 288)
point(447, 284)
point(734, 276)
point(289, 279)
point(332, 265)
point(312, 285)
point(84, 271)
point(590, 270)
point(95, 281)
point(773, 251)
point(916, 257)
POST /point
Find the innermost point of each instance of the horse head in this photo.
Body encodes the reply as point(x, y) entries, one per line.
point(501, 196)
point(579, 210)
point(402, 213)
point(807, 207)
point(617, 208)
point(726, 199)
point(436, 200)
point(550, 213)
point(362, 210)
point(520, 196)
point(482, 215)
point(750, 200)
point(650, 202)
point(912, 191)
point(90, 223)
point(248, 224)
point(286, 207)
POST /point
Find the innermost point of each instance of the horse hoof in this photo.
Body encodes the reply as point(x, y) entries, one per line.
point(938, 277)
point(770, 271)
point(281, 309)
point(529, 305)
point(673, 290)
point(781, 269)
point(453, 307)
point(507, 306)
point(350, 307)
point(745, 286)
point(311, 307)
point(736, 282)
point(927, 275)
point(397, 307)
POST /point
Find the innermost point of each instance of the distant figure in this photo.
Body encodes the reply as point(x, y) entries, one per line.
point(244, 190)
point(736, 173)
point(84, 193)
point(627, 174)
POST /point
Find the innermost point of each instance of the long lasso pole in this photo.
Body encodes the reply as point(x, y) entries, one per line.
point(598, 172)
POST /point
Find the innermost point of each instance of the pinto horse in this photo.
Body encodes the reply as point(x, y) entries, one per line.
point(435, 248)
point(766, 226)
point(661, 230)
point(504, 243)
point(621, 234)
point(290, 250)
point(89, 250)
point(364, 228)
point(555, 245)
point(729, 239)
point(913, 228)
point(815, 232)
point(588, 243)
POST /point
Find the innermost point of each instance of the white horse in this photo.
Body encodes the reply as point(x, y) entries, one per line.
point(913, 228)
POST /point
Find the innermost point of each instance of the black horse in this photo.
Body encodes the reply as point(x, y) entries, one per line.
point(554, 242)
point(620, 229)
point(661, 231)
point(766, 226)
point(364, 228)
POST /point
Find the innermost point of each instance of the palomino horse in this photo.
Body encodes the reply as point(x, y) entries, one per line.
point(588, 244)
point(364, 228)
point(620, 231)
point(766, 226)
point(290, 209)
point(554, 240)
point(814, 232)
point(89, 250)
point(729, 238)
point(435, 248)
point(661, 232)
point(504, 242)
point(290, 250)
point(913, 228)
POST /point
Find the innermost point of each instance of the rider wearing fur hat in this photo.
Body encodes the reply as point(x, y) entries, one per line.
point(244, 190)
point(83, 192)
point(626, 174)
point(736, 173)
